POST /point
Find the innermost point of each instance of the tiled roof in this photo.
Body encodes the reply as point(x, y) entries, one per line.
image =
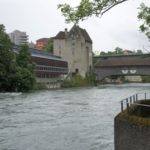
point(135, 60)
point(83, 32)
point(42, 39)
point(60, 35)
point(85, 35)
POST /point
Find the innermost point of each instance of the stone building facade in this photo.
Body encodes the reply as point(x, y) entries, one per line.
point(75, 47)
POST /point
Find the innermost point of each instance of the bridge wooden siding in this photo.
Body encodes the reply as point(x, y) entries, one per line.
point(121, 65)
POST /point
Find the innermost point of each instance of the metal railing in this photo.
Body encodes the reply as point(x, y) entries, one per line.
point(134, 100)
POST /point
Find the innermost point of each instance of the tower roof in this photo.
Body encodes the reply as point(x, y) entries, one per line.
point(83, 32)
point(75, 28)
point(60, 35)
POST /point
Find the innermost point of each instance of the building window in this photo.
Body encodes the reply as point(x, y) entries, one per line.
point(76, 70)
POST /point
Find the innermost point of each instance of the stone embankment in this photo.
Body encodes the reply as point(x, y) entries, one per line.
point(132, 125)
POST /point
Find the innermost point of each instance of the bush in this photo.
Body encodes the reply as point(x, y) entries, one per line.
point(39, 86)
point(145, 79)
point(138, 115)
point(78, 81)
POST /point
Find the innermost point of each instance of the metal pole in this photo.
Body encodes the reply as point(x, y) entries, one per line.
point(122, 106)
point(133, 98)
point(145, 96)
point(128, 108)
point(130, 100)
point(127, 102)
point(136, 97)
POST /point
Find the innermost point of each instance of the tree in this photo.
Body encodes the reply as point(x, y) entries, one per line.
point(49, 47)
point(7, 61)
point(16, 70)
point(102, 53)
point(87, 8)
point(118, 50)
point(24, 57)
point(24, 80)
point(25, 76)
point(144, 15)
point(139, 51)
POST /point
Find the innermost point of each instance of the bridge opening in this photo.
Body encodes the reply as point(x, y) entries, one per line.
point(125, 79)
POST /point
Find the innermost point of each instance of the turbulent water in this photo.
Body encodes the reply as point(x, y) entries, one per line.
point(67, 119)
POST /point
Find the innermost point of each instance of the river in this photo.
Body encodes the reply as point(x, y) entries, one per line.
point(65, 119)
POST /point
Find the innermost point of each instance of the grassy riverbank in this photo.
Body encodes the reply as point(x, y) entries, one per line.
point(78, 81)
point(138, 115)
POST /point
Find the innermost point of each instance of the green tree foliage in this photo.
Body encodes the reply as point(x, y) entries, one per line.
point(146, 79)
point(7, 61)
point(24, 58)
point(144, 15)
point(117, 51)
point(25, 79)
point(102, 53)
point(25, 70)
point(16, 71)
point(49, 47)
point(78, 81)
point(87, 8)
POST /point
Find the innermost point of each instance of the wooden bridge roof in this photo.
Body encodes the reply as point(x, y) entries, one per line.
point(123, 60)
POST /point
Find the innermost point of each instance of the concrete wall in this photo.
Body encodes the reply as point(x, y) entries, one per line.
point(130, 137)
point(50, 83)
point(133, 78)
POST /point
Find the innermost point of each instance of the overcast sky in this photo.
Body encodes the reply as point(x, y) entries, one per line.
point(40, 18)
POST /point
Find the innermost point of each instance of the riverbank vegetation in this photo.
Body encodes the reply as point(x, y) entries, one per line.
point(146, 79)
point(138, 115)
point(79, 81)
point(16, 69)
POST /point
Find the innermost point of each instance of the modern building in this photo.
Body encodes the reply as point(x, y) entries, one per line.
point(41, 43)
point(75, 47)
point(48, 68)
point(18, 38)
